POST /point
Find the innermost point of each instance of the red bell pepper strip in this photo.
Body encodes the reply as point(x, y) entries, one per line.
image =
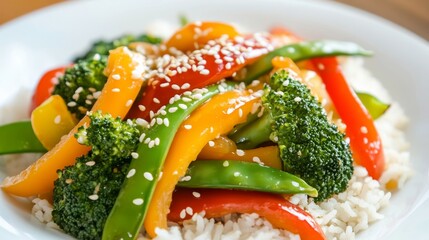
point(216, 203)
point(45, 86)
point(203, 67)
point(364, 140)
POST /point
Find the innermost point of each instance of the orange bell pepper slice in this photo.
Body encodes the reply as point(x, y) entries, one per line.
point(223, 148)
point(195, 35)
point(224, 111)
point(116, 98)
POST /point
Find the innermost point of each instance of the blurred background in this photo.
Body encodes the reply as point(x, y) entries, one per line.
point(411, 14)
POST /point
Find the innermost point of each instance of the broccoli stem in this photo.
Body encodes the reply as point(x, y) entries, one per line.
point(254, 133)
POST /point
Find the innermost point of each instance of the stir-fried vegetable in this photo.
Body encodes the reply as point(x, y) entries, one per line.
point(180, 109)
point(19, 137)
point(302, 51)
point(135, 196)
point(230, 174)
point(51, 120)
point(364, 139)
point(274, 208)
point(40, 176)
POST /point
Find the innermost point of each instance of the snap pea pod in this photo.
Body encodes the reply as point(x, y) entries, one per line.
point(245, 176)
point(375, 106)
point(302, 51)
point(144, 171)
point(18, 137)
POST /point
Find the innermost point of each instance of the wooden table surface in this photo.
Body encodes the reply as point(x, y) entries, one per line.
point(411, 14)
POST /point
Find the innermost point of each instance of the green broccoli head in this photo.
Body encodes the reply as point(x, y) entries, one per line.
point(102, 47)
point(310, 146)
point(85, 193)
point(81, 84)
point(109, 136)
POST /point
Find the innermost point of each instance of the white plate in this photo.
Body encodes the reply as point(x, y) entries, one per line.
point(51, 37)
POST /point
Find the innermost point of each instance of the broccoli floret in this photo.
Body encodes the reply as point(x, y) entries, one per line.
point(85, 193)
point(80, 85)
point(103, 47)
point(310, 146)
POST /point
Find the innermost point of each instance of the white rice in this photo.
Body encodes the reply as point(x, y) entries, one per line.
point(341, 217)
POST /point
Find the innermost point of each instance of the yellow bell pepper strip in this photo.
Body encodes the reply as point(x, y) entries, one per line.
point(218, 202)
point(222, 148)
point(365, 141)
point(18, 137)
point(51, 120)
point(230, 174)
point(116, 98)
point(224, 111)
point(134, 198)
point(194, 35)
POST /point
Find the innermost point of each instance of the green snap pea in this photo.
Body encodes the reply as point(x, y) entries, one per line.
point(136, 192)
point(231, 174)
point(302, 51)
point(18, 137)
point(375, 106)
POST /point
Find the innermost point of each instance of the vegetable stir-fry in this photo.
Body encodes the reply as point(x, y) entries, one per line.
point(135, 127)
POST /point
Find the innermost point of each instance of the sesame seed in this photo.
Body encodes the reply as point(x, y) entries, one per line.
point(175, 87)
point(159, 121)
point(166, 122)
point(196, 194)
point(156, 100)
point(134, 155)
point(225, 164)
point(183, 106)
point(89, 102)
point(142, 108)
point(187, 126)
point(185, 86)
point(166, 84)
point(147, 140)
point(93, 197)
point(90, 163)
point(141, 138)
point(285, 83)
point(129, 103)
point(57, 119)
point(218, 61)
point(185, 178)
point(172, 109)
point(116, 76)
point(138, 201)
point(364, 130)
point(186, 99)
point(205, 72)
point(131, 173)
point(96, 94)
point(297, 99)
point(236, 174)
point(96, 57)
point(116, 90)
point(151, 144)
point(240, 152)
point(211, 143)
point(157, 141)
point(72, 104)
point(69, 180)
point(240, 112)
point(182, 214)
point(148, 176)
point(228, 66)
point(321, 66)
point(189, 211)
